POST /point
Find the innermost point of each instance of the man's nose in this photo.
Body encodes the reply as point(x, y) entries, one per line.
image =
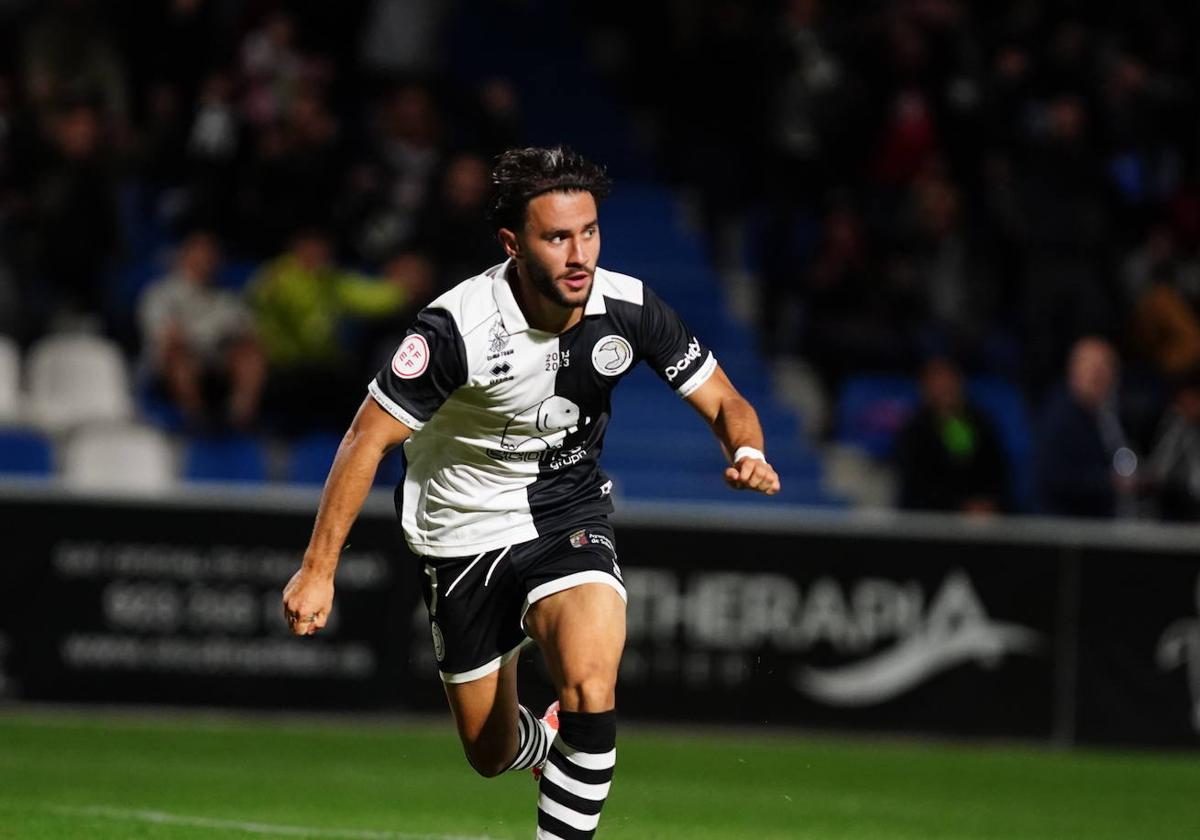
point(578, 255)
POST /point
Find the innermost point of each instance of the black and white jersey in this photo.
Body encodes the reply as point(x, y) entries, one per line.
point(509, 420)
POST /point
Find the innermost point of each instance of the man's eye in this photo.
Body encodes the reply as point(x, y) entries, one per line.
point(557, 240)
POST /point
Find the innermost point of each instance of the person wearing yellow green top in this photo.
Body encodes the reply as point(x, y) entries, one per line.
point(301, 301)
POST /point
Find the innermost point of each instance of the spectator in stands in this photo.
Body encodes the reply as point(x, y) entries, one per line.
point(75, 222)
point(1174, 464)
point(949, 455)
point(302, 302)
point(393, 189)
point(455, 230)
point(1084, 464)
point(199, 341)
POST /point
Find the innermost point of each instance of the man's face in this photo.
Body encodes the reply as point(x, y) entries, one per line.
point(560, 245)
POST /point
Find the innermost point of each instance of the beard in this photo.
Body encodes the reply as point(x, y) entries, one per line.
point(543, 282)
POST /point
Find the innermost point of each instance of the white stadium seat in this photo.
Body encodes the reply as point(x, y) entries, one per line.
point(10, 381)
point(76, 379)
point(118, 458)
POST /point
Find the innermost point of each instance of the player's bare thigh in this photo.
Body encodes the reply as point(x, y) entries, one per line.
point(581, 632)
point(485, 712)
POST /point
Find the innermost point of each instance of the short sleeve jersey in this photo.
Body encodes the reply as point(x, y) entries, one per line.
point(509, 420)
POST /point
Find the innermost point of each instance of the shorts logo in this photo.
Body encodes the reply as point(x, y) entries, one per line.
point(617, 571)
point(692, 354)
point(612, 355)
point(578, 539)
point(439, 643)
point(412, 357)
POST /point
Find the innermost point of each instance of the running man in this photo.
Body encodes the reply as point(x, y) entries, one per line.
point(500, 394)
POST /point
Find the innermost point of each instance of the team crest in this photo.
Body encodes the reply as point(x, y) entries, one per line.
point(499, 337)
point(579, 539)
point(612, 355)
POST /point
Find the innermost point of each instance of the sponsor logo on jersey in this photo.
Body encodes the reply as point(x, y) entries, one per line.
point(612, 355)
point(581, 538)
point(439, 642)
point(1179, 647)
point(692, 354)
point(411, 358)
point(555, 459)
point(542, 426)
point(501, 373)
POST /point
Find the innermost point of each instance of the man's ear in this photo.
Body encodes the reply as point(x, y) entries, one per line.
point(510, 242)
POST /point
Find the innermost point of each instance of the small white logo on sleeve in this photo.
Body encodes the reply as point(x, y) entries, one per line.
point(412, 357)
point(612, 355)
point(692, 354)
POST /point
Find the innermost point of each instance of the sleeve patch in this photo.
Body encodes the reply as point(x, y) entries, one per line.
point(412, 357)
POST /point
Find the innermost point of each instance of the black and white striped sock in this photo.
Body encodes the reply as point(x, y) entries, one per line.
point(533, 741)
point(577, 775)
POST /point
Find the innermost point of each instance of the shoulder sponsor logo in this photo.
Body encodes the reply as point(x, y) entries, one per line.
point(1179, 647)
point(692, 354)
point(612, 355)
point(955, 630)
point(411, 358)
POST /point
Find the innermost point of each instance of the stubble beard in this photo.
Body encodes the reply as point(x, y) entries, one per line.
point(543, 283)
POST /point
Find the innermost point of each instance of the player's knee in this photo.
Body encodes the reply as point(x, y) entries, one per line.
point(592, 693)
point(487, 759)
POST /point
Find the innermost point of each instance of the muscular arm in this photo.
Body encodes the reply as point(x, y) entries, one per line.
point(309, 595)
point(735, 424)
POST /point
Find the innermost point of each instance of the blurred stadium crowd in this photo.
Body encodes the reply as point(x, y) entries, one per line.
point(250, 198)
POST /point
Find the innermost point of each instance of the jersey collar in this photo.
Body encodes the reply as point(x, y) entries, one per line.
point(510, 312)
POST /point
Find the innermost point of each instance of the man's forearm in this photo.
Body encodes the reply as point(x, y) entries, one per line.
point(736, 425)
point(346, 489)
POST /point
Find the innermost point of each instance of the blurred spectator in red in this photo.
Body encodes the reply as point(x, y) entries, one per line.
point(1084, 464)
point(1174, 464)
point(74, 216)
point(199, 342)
point(949, 455)
point(302, 302)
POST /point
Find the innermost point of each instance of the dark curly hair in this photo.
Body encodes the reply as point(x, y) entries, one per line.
point(520, 175)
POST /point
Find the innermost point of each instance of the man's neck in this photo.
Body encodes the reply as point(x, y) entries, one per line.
point(540, 312)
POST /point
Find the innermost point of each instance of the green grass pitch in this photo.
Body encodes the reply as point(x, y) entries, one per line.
point(77, 775)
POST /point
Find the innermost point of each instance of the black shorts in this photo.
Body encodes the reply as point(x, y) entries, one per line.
point(477, 604)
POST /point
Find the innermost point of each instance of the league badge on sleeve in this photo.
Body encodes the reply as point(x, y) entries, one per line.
point(412, 357)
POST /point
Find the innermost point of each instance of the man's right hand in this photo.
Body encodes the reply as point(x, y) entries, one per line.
point(307, 600)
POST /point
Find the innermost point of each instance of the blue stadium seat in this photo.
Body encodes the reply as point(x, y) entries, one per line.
point(233, 458)
point(311, 457)
point(871, 410)
point(26, 453)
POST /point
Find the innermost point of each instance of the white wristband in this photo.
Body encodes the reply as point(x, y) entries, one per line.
point(748, 452)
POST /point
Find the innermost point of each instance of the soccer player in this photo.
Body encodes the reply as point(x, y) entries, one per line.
point(500, 394)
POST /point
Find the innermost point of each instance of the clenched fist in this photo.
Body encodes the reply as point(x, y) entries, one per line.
point(752, 474)
point(307, 600)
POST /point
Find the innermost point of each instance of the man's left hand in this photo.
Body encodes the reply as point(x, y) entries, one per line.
point(752, 474)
